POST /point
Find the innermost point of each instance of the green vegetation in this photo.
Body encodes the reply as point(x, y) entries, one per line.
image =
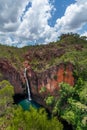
point(13, 117)
point(6, 92)
point(43, 89)
point(71, 105)
point(50, 100)
point(33, 119)
point(69, 48)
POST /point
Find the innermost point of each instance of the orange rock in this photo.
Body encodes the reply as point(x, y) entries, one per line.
point(60, 74)
point(68, 75)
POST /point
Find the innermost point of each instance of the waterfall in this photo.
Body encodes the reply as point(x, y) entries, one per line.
point(28, 87)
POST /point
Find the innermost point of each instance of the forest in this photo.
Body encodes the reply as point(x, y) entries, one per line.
point(71, 103)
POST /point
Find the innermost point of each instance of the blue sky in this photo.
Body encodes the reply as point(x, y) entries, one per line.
point(25, 22)
point(60, 6)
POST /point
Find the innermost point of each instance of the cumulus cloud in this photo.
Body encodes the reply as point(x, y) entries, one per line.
point(35, 22)
point(24, 22)
point(74, 18)
point(10, 12)
point(27, 23)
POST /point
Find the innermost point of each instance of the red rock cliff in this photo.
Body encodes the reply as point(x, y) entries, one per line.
point(55, 75)
point(49, 79)
point(11, 74)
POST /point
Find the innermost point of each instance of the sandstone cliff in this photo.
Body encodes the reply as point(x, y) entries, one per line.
point(48, 79)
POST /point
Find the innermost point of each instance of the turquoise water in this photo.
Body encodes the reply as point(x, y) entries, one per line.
point(26, 104)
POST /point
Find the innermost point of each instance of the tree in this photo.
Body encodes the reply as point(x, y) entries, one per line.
point(14, 117)
point(71, 105)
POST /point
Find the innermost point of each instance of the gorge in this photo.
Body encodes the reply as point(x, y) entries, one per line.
point(49, 78)
point(53, 75)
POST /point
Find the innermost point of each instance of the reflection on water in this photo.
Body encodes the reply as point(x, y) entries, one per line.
point(26, 104)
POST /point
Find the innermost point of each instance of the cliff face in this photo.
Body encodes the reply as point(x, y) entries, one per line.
point(45, 61)
point(11, 74)
point(53, 76)
point(49, 79)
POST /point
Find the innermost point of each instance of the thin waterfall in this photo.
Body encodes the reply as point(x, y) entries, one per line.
point(28, 87)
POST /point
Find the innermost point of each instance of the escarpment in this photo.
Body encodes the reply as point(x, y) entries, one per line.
point(48, 79)
point(11, 74)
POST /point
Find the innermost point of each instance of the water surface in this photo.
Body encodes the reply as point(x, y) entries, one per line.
point(26, 104)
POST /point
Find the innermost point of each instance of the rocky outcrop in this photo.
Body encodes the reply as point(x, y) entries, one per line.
point(49, 79)
point(52, 77)
point(10, 73)
point(45, 53)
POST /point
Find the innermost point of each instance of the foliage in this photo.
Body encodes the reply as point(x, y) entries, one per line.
point(42, 57)
point(80, 68)
point(29, 120)
point(71, 105)
point(83, 95)
point(50, 100)
point(34, 119)
point(13, 117)
point(72, 38)
point(6, 92)
point(43, 89)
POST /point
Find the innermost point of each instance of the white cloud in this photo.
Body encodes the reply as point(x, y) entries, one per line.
point(80, 1)
point(34, 25)
point(35, 22)
point(74, 18)
point(10, 12)
point(21, 24)
point(84, 34)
